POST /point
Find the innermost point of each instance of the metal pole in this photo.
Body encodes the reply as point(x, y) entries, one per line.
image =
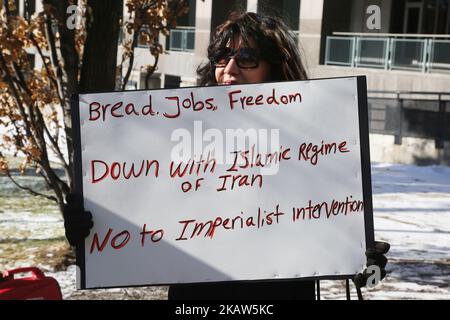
point(318, 289)
point(440, 134)
point(347, 288)
point(398, 136)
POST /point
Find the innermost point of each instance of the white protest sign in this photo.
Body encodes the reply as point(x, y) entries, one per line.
point(270, 185)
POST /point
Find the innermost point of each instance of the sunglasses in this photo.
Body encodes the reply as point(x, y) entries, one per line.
point(246, 58)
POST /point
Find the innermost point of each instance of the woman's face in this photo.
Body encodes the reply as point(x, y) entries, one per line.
point(229, 72)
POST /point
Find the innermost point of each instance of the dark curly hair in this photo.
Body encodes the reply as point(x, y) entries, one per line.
point(275, 43)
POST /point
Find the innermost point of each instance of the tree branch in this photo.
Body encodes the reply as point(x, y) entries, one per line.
point(8, 174)
point(68, 76)
point(53, 140)
point(54, 144)
point(151, 70)
point(40, 125)
point(59, 186)
point(16, 97)
point(130, 64)
point(47, 69)
point(53, 53)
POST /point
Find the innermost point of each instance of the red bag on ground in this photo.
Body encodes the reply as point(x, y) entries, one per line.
point(36, 287)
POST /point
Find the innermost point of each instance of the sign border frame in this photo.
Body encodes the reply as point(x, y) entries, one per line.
point(363, 117)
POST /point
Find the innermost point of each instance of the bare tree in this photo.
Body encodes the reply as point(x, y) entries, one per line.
point(35, 104)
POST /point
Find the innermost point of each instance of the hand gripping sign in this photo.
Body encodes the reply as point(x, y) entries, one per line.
point(225, 183)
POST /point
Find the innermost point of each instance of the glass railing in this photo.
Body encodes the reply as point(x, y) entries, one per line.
point(440, 55)
point(409, 54)
point(182, 39)
point(371, 52)
point(389, 53)
point(339, 51)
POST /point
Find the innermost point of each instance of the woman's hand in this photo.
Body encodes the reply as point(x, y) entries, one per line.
point(375, 257)
point(77, 222)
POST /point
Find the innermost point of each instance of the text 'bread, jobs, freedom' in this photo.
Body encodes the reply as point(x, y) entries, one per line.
point(174, 105)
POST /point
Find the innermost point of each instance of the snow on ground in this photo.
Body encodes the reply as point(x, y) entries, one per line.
point(411, 212)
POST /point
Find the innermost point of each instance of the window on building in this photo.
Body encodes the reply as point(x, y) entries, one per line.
point(420, 16)
point(222, 9)
point(29, 8)
point(182, 38)
point(435, 16)
point(288, 10)
point(188, 20)
point(337, 17)
point(171, 82)
point(413, 17)
point(14, 7)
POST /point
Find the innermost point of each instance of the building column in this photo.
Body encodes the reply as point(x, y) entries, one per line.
point(203, 15)
point(311, 13)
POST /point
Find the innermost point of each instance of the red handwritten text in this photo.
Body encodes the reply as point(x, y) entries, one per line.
point(193, 228)
point(246, 101)
point(311, 152)
point(255, 159)
point(116, 242)
point(101, 170)
point(229, 182)
point(189, 103)
point(333, 208)
point(118, 110)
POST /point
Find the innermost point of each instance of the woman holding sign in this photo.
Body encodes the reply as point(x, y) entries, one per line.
point(253, 48)
point(247, 48)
